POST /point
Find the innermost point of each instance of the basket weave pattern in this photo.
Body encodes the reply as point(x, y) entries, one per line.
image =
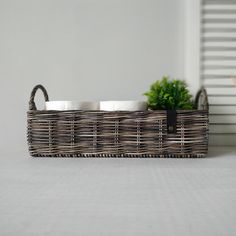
point(115, 134)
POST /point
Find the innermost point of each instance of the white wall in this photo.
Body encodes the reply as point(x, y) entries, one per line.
point(84, 50)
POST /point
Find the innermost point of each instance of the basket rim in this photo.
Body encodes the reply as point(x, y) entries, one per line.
point(102, 111)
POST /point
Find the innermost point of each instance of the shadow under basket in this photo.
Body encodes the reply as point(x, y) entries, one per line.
point(77, 133)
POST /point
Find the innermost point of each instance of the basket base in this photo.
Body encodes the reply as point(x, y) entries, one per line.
point(89, 155)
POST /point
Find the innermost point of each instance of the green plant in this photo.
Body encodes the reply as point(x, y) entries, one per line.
point(169, 95)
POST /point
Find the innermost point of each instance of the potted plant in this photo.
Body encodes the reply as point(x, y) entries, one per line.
point(167, 94)
point(170, 95)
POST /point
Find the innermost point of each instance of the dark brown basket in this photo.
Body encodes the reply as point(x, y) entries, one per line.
point(117, 134)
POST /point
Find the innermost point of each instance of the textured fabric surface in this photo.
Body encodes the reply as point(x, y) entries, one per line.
point(106, 197)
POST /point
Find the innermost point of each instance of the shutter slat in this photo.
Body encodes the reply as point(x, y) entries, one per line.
point(219, 48)
point(223, 128)
point(219, 82)
point(219, 53)
point(220, 2)
point(222, 101)
point(214, 40)
point(219, 21)
point(218, 30)
point(222, 91)
point(223, 59)
point(222, 119)
point(221, 72)
point(219, 63)
point(229, 109)
point(217, 36)
point(219, 25)
point(214, 76)
point(222, 44)
point(222, 6)
point(219, 16)
point(218, 11)
point(222, 139)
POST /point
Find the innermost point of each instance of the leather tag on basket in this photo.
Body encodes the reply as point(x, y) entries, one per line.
point(171, 121)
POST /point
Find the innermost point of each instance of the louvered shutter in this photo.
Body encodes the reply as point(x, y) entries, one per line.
point(218, 67)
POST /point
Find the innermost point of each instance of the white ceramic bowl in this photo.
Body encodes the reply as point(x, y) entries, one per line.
point(123, 106)
point(71, 105)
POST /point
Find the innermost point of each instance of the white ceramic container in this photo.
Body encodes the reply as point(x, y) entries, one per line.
point(123, 106)
point(71, 105)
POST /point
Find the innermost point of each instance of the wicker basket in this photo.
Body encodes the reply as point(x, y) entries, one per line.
point(118, 133)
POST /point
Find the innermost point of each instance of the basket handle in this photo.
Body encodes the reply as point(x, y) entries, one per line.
point(32, 105)
point(201, 100)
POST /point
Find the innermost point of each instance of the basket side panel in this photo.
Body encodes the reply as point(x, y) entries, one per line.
point(143, 133)
point(124, 134)
point(192, 134)
point(108, 133)
point(42, 136)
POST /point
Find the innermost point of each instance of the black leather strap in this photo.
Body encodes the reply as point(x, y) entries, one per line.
point(171, 121)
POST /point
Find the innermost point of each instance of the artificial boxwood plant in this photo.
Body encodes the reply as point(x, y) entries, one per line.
point(169, 94)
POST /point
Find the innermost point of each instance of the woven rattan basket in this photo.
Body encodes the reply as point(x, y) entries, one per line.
point(79, 133)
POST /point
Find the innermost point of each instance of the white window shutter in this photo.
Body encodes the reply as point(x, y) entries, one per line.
point(218, 67)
